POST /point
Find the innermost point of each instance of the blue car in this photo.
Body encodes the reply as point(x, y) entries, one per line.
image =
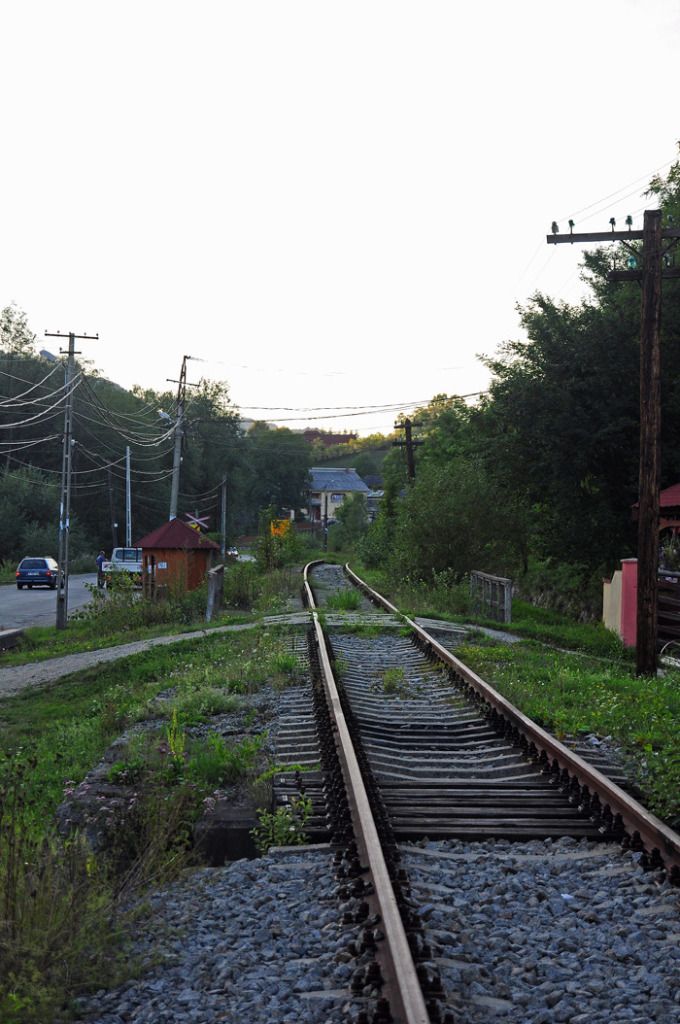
point(37, 572)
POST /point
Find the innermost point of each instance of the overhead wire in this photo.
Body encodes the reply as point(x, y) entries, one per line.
point(41, 415)
point(15, 398)
point(144, 444)
point(97, 403)
point(140, 439)
point(21, 445)
point(636, 181)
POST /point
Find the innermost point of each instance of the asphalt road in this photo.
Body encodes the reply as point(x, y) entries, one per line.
point(38, 607)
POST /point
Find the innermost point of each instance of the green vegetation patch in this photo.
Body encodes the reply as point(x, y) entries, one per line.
point(343, 601)
point(572, 694)
point(60, 906)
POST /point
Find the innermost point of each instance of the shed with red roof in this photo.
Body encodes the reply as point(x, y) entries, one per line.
point(175, 557)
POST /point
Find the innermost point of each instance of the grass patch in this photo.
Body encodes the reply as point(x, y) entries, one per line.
point(343, 601)
point(39, 643)
point(572, 694)
point(450, 603)
point(60, 907)
point(394, 680)
point(198, 705)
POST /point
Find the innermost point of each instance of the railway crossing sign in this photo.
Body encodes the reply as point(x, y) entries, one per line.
point(198, 522)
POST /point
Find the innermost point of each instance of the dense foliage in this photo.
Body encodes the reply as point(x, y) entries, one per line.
point(263, 467)
point(543, 472)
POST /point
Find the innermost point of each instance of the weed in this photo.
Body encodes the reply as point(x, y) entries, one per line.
point(285, 827)
point(285, 663)
point(344, 600)
point(126, 773)
point(176, 737)
point(215, 763)
point(394, 680)
point(366, 629)
point(278, 769)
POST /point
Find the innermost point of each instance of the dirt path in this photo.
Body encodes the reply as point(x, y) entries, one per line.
point(19, 677)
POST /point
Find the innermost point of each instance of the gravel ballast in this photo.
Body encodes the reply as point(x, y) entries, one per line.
point(549, 932)
point(254, 942)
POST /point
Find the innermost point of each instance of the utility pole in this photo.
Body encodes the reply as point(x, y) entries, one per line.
point(128, 500)
point(66, 467)
point(650, 275)
point(223, 525)
point(179, 434)
point(409, 444)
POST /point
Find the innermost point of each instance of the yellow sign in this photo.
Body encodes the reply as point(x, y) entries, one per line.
point(279, 527)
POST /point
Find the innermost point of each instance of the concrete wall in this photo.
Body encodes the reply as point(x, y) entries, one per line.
point(611, 602)
point(619, 602)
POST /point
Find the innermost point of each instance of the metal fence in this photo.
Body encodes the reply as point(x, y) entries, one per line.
point(491, 596)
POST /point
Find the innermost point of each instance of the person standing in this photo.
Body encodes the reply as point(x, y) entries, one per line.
point(101, 558)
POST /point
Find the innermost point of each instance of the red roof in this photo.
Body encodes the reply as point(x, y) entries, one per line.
point(176, 534)
point(670, 496)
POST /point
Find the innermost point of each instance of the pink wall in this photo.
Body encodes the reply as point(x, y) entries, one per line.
point(629, 573)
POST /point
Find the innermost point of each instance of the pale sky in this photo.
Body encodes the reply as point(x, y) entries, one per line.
point(330, 204)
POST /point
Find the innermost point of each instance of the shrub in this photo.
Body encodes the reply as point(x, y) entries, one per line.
point(285, 827)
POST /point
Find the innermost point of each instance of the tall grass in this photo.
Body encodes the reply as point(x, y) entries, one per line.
point(344, 600)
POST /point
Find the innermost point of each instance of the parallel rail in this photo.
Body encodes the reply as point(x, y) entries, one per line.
point(598, 793)
point(402, 987)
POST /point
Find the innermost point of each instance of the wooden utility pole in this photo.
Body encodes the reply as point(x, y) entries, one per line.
point(179, 435)
point(650, 275)
point(66, 468)
point(223, 518)
point(409, 444)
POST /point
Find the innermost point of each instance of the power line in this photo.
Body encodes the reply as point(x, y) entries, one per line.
point(643, 177)
point(15, 398)
point(72, 385)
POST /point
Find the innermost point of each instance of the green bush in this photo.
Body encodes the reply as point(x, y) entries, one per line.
point(241, 585)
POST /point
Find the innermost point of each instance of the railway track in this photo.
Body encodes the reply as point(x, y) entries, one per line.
point(431, 755)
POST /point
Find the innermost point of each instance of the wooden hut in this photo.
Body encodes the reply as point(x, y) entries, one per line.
point(175, 557)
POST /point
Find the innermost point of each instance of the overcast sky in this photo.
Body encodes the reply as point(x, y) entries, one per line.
point(331, 204)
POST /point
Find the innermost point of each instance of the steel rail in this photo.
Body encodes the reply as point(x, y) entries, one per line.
point(403, 990)
point(653, 833)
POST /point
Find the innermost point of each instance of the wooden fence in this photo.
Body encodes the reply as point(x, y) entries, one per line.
point(668, 607)
point(491, 596)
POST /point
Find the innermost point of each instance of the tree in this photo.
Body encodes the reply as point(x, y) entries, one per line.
point(275, 470)
point(352, 522)
point(16, 337)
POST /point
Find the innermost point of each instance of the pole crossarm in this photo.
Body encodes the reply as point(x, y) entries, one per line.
point(636, 275)
point(607, 236)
